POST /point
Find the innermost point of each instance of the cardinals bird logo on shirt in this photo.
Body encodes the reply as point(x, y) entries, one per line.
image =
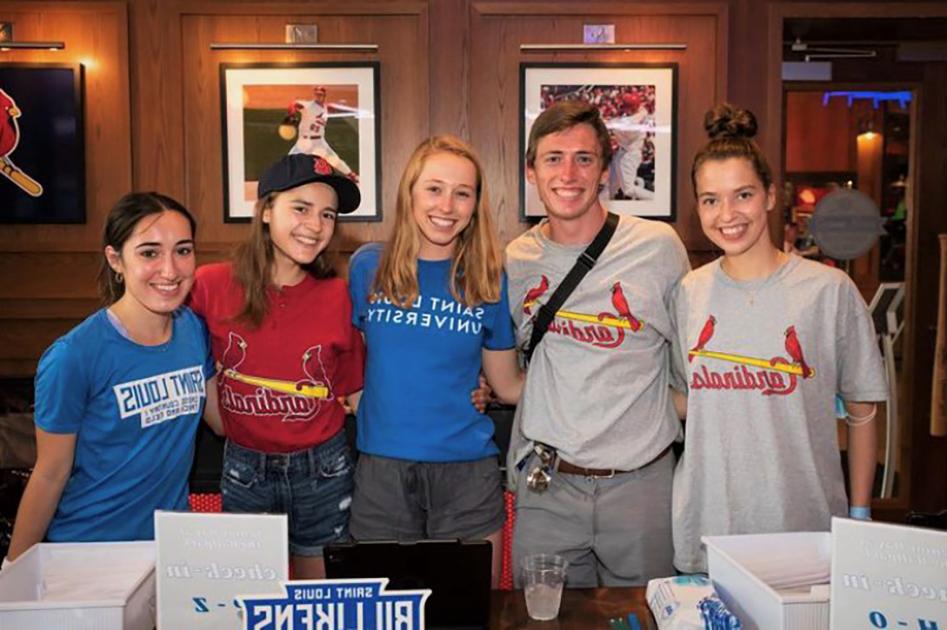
point(773, 376)
point(9, 139)
point(293, 400)
point(605, 329)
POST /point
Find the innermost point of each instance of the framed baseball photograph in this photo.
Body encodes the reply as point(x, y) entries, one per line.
point(638, 103)
point(42, 156)
point(326, 109)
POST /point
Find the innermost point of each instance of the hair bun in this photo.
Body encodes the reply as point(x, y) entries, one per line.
point(726, 121)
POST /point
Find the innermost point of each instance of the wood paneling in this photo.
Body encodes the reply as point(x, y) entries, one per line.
point(819, 138)
point(152, 122)
point(400, 29)
point(47, 272)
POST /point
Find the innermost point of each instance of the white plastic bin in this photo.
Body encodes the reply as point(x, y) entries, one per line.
point(741, 565)
point(80, 586)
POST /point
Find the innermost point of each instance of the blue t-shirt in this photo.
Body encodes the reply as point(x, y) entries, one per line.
point(422, 364)
point(134, 410)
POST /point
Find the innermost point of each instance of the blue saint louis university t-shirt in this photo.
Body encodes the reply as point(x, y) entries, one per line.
point(134, 410)
point(422, 364)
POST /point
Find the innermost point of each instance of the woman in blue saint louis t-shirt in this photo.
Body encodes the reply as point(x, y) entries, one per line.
point(119, 397)
point(433, 308)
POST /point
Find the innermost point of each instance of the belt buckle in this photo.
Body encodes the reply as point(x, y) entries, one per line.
point(610, 475)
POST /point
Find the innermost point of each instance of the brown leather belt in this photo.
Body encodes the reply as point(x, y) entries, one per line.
point(602, 473)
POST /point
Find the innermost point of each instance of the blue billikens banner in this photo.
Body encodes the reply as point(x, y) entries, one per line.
point(356, 604)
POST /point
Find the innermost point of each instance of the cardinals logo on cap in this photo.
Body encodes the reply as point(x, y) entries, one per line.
point(9, 139)
point(321, 167)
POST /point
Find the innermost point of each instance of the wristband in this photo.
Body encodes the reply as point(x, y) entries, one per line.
point(860, 512)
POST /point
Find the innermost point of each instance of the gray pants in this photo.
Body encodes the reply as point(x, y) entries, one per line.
point(613, 532)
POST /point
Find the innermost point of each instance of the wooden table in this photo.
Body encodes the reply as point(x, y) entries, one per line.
point(581, 608)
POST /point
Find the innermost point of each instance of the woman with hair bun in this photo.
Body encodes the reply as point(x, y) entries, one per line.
point(765, 340)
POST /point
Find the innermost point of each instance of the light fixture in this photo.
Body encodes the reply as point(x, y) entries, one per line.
point(293, 46)
point(866, 130)
point(830, 52)
point(903, 97)
point(529, 48)
point(11, 45)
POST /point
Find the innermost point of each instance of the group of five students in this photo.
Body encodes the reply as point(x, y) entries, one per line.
point(118, 398)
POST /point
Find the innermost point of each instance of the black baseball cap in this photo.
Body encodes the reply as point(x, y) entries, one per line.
point(295, 170)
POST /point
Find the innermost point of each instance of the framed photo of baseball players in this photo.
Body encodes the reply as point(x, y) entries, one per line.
point(42, 159)
point(638, 103)
point(329, 109)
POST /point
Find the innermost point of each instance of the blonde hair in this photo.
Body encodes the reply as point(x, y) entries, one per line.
point(253, 266)
point(476, 265)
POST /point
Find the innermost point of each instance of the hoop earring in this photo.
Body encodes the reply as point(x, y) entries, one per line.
point(119, 278)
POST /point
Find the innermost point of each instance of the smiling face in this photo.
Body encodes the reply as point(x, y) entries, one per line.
point(567, 172)
point(156, 262)
point(301, 222)
point(443, 200)
point(732, 204)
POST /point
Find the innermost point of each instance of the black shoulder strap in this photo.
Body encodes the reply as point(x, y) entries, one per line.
point(582, 266)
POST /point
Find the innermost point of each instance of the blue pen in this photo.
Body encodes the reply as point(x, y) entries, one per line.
point(633, 621)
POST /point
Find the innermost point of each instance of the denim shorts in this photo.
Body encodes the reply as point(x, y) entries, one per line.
point(403, 500)
point(312, 487)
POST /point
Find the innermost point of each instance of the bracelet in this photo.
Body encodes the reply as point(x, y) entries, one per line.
point(857, 421)
point(860, 512)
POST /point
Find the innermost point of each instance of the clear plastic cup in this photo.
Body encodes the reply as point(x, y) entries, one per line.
point(543, 578)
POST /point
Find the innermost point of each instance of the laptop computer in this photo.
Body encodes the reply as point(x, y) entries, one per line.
point(457, 572)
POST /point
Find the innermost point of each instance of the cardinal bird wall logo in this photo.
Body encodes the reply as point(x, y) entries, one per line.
point(9, 139)
point(771, 376)
point(292, 401)
point(605, 329)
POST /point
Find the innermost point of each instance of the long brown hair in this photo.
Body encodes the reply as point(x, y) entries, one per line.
point(731, 132)
point(253, 265)
point(121, 222)
point(476, 263)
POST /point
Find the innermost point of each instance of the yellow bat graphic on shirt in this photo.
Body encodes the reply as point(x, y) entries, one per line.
point(607, 320)
point(787, 368)
point(296, 388)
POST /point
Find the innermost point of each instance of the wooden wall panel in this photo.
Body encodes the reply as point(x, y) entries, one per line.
point(814, 140)
point(152, 122)
point(47, 272)
point(498, 29)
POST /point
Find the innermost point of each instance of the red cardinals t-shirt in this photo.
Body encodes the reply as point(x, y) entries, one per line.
point(278, 385)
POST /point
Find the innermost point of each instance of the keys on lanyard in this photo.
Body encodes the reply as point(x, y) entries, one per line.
point(541, 474)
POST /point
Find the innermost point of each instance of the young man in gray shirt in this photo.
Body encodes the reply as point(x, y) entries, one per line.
point(596, 391)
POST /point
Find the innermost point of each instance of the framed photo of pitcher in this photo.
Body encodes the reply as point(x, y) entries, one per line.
point(327, 109)
point(638, 103)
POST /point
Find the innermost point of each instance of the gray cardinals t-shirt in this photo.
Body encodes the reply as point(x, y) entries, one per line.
point(763, 361)
point(597, 386)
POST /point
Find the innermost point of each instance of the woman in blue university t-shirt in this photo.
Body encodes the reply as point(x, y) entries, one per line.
point(118, 398)
point(433, 308)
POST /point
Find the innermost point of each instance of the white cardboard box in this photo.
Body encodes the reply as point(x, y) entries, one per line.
point(80, 586)
point(760, 607)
